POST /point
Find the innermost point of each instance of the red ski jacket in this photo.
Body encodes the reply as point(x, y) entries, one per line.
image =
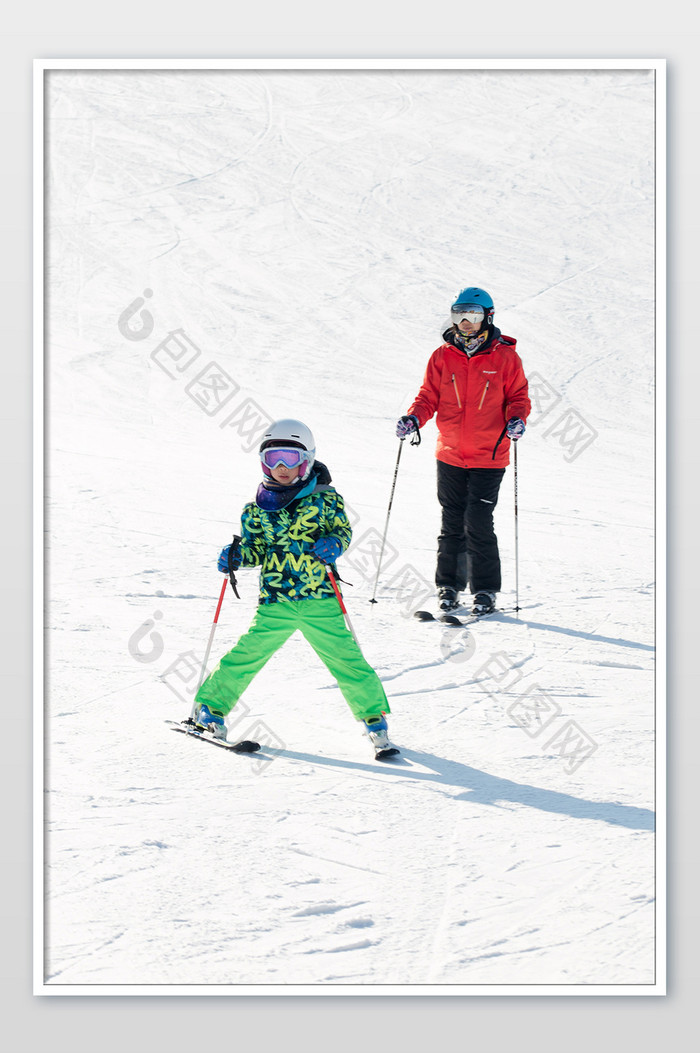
point(473, 398)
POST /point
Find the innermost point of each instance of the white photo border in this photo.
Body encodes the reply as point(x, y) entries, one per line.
point(44, 66)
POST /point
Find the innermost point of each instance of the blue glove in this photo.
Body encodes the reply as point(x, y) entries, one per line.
point(515, 429)
point(406, 426)
point(223, 560)
point(327, 549)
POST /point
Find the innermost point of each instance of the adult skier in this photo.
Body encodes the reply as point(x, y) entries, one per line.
point(476, 385)
point(294, 530)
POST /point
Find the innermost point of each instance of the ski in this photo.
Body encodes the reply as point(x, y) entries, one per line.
point(386, 753)
point(445, 618)
point(246, 746)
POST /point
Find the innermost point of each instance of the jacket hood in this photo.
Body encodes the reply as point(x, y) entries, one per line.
point(320, 471)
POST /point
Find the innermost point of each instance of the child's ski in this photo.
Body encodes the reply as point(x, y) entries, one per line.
point(386, 753)
point(246, 746)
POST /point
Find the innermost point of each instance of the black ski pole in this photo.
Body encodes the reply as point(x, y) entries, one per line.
point(515, 492)
point(386, 525)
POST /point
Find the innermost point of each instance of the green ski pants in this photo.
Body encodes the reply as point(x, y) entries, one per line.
point(322, 623)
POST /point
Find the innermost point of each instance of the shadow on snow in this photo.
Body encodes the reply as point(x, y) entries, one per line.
point(566, 630)
point(481, 788)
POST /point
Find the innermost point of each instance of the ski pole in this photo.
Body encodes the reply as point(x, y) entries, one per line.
point(211, 637)
point(515, 492)
point(386, 525)
point(343, 608)
point(231, 577)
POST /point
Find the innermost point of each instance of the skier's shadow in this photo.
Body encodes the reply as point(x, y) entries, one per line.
point(481, 788)
point(582, 634)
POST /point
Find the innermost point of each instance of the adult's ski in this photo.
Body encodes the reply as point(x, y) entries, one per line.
point(452, 619)
point(246, 746)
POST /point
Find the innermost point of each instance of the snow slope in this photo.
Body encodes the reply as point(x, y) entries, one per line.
point(226, 247)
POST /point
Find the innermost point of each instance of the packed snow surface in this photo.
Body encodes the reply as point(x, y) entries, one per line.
point(229, 247)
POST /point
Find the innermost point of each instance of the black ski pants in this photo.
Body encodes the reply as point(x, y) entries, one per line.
point(467, 544)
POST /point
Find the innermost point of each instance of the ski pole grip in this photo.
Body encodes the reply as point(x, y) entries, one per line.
point(233, 549)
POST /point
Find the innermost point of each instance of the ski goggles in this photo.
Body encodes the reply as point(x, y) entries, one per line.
point(289, 456)
point(471, 312)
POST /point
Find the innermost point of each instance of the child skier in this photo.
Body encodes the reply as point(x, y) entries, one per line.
point(294, 531)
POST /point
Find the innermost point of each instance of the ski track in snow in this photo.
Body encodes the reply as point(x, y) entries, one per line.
point(306, 231)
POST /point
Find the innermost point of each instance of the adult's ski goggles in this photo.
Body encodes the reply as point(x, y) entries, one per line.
point(471, 312)
point(289, 456)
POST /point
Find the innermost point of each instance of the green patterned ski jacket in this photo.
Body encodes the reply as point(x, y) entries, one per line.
point(280, 541)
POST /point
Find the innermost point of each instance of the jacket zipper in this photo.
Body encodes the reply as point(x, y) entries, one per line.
point(459, 401)
point(483, 394)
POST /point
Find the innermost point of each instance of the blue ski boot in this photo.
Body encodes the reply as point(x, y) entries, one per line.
point(210, 721)
point(378, 734)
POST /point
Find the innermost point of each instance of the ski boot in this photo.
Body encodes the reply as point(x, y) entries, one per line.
point(378, 734)
point(484, 602)
point(211, 721)
point(447, 599)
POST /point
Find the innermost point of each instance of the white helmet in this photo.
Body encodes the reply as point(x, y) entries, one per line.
point(294, 434)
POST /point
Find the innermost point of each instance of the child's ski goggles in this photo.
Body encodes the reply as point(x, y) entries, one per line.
point(291, 457)
point(472, 312)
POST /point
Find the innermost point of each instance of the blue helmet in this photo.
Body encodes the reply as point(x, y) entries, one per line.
point(472, 294)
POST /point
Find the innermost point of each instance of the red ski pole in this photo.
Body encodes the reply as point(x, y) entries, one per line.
point(232, 578)
point(203, 673)
point(343, 608)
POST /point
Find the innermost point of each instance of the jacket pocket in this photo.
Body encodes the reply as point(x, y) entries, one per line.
point(483, 393)
point(454, 383)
